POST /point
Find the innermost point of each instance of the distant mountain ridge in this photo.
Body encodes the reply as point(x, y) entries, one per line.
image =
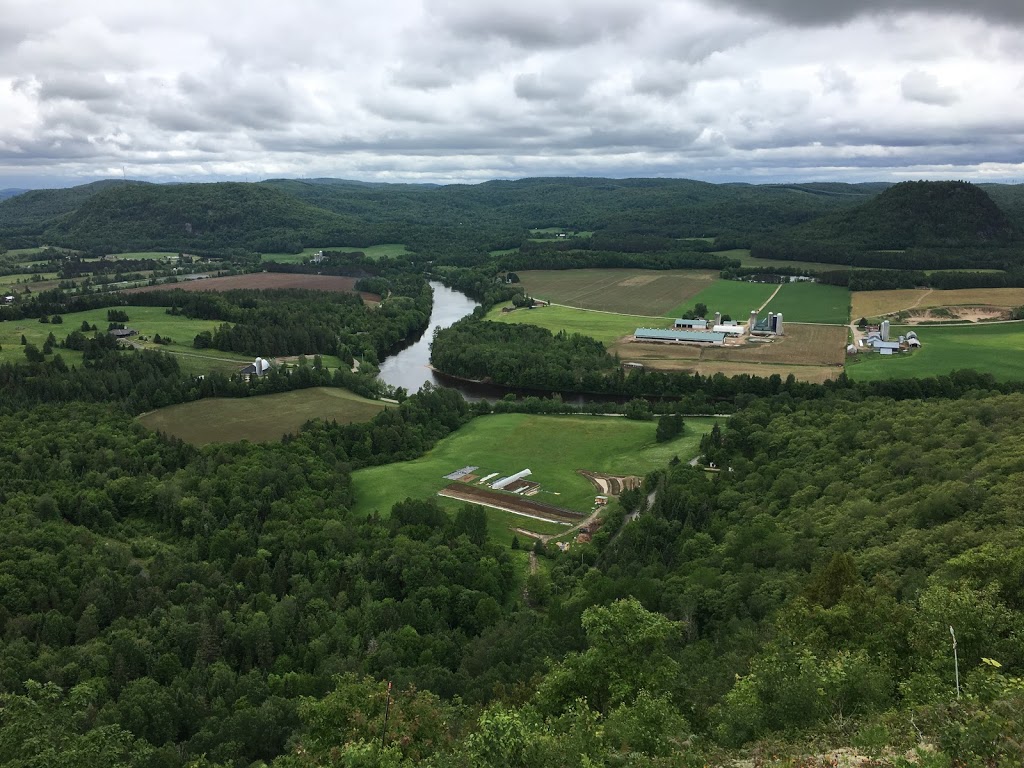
point(10, 192)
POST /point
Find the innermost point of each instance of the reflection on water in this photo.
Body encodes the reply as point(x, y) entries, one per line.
point(409, 368)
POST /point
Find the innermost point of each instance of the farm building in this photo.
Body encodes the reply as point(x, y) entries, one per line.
point(770, 326)
point(123, 333)
point(892, 346)
point(258, 367)
point(691, 325)
point(691, 337)
point(730, 328)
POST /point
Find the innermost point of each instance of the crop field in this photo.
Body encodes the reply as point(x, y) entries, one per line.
point(262, 281)
point(371, 251)
point(730, 297)
point(258, 419)
point(603, 326)
point(995, 348)
point(811, 303)
point(878, 303)
point(742, 255)
point(19, 282)
point(554, 447)
point(809, 352)
point(628, 291)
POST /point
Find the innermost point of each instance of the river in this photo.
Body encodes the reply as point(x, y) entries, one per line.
point(410, 368)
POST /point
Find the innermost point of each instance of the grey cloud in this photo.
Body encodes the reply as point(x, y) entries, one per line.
point(542, 26)
point(822, 12)
point(84, 87)
point(925, 88)
point(240, 100)
point(547, 87)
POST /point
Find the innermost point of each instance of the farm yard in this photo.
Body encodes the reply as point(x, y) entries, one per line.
point(258, 419)
point(263, 281)
point(873, 304)
point(553, 447)
point(626, 291)
point(994, 348)
point(810, 352)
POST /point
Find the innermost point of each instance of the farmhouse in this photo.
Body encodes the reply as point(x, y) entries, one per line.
point(690, 337)
point(123, 333)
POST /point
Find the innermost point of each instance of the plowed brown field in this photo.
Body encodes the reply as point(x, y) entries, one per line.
point(263, 281)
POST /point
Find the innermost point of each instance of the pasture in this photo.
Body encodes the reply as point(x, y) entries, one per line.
point(811, 303)
point(627, 291)
point(877, 303)
point(371, 252)
point(730, 297)
point(603, 326)
point(554, 447)
point(258, 419)
point(995, 348)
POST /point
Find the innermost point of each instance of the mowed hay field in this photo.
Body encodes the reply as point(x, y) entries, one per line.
point(603, 326)
point(995, 348)
point(263, 281)
point(553, 447)
point(627, 291)
point(878, 303)
point(812, 353)
point(811, 303)
point(258, 419)
point(731, 297)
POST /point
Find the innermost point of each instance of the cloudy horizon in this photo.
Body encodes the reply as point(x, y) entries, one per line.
point(447, 91)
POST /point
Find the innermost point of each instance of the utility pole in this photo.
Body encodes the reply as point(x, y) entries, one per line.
point(956, 662)
point(387, 711)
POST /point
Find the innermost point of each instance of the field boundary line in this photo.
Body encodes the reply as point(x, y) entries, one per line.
point(774, 294)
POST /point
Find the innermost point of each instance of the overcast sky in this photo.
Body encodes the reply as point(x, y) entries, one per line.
point(469, 90)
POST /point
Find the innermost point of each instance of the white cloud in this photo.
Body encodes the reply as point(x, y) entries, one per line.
point(449, 90)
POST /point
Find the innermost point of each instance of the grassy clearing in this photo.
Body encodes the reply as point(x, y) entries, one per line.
point(742, 255)
point(258, 419)
point(988, 348)
point(148, 321)
point(878, 303)
point(812, 303)
point(554, 447)
point(629, 291)
point(730, 297)
point(602, 326)
point(371, 251)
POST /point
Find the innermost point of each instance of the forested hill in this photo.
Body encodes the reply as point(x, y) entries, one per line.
point(916, 214)
point(281, 214)
point(32, 212)
point(10, 192)
point(198, 217)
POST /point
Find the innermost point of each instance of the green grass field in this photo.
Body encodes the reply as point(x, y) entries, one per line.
point(812, 303)
point(626, 291)
point(730, 297)
point(148, 321)
point(602, 326)
point(554, 447)
point(258, 419)
point(989, 348)
point(371, 251)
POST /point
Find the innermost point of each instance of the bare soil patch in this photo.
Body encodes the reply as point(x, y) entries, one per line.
point(880, 303)
point(962, 314)
point(611, 485)
point(510, 503)
point(264, 281)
